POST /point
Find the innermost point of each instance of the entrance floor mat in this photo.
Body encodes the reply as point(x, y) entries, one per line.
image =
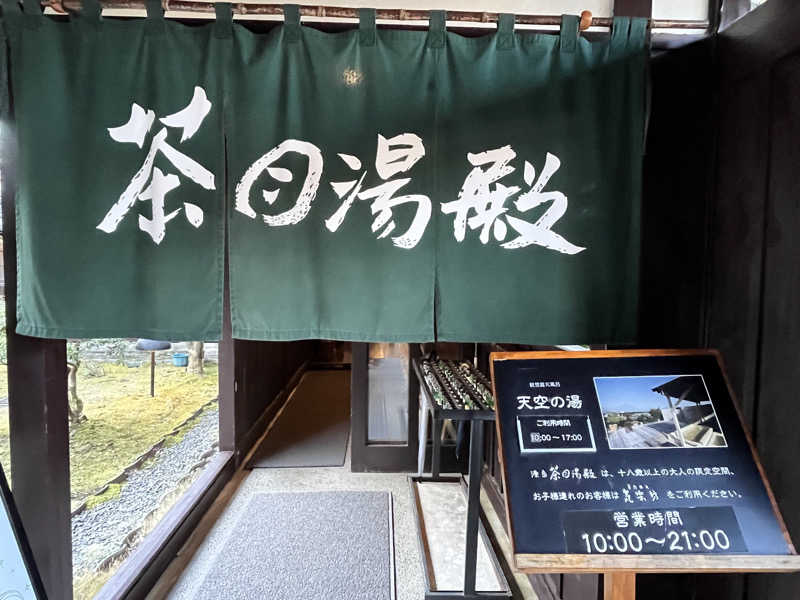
point(307, 545)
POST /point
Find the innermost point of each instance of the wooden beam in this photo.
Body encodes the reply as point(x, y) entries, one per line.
point(261, 10)
point(657, 563)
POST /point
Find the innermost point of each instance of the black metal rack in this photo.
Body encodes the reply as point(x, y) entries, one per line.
point(476, 410)
point(454, 407)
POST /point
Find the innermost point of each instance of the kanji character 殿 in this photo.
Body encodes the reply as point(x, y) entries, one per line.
point(481, 203)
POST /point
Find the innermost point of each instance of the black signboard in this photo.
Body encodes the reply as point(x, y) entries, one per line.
point(619, 454)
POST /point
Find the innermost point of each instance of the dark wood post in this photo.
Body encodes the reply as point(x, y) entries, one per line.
point(633, 8)
point(38, 415)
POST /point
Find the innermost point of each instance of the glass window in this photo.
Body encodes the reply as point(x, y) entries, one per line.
point(388, 393)
point(143, 424)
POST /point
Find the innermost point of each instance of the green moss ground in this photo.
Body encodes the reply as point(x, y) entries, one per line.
point(123, 421)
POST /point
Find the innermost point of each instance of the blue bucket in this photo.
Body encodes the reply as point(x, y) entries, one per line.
point(180, 359)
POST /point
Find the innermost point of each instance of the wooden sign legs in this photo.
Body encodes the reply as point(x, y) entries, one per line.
point(618, 585)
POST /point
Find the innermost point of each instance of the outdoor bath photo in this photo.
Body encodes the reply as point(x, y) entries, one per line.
point(658, 411)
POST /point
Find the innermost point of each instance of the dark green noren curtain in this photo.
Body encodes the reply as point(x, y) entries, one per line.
point(380, 184)
point(120, 174)
point(553, 124)
point(329, 153)
point(401, 185)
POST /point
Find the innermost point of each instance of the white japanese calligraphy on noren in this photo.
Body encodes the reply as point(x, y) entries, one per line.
point(307, 194)
point(477, 195)
point(483, 204)
point(135, 131)
point(482, 200)
point(539, 233)
point(394, 156)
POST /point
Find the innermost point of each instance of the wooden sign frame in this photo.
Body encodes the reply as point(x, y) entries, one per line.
point(641, 563)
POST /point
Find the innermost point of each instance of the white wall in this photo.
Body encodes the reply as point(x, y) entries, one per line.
point(684, 10)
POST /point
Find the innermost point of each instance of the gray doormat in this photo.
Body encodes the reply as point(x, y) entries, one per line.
point(307, 546)
point(313, 428)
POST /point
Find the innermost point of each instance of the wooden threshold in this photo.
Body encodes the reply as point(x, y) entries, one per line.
point(656, 563)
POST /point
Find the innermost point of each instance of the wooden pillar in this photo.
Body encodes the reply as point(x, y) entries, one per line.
point(359, 411)
point(633, 8)
point(619, 586)
point(38, 416)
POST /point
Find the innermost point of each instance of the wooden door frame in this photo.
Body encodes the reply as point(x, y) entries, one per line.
point(380, 456)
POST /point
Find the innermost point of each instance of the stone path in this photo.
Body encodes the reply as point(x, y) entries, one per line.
point(99, 532)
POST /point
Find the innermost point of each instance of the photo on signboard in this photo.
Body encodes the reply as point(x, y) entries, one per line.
point(658, 411)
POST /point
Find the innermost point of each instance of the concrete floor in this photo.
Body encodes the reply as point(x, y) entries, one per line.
point(444, 509)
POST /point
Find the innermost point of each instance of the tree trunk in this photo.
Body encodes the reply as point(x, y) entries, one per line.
point(76, 405)
point(196, 355)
